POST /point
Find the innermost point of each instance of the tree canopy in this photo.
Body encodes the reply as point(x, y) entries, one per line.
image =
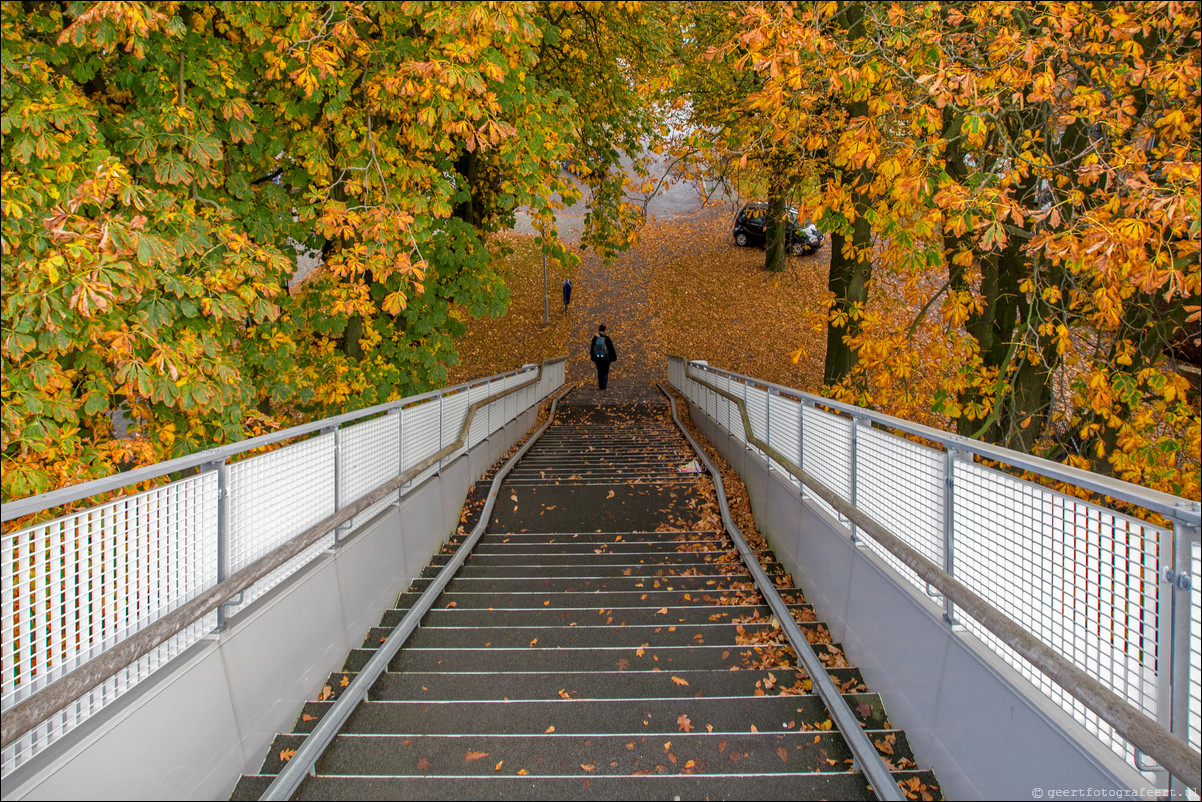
point(1012, 195)
point(1010, 189)
point(163, 164)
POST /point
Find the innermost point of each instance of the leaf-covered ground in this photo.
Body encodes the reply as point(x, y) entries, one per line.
point(684, 289)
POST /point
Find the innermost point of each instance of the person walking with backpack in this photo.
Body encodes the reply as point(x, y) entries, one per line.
point(601, 350)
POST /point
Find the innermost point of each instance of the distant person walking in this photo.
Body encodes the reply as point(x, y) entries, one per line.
point(567, 295)
point(601, 350)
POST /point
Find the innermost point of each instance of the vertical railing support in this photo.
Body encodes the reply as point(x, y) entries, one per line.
point(1178, 583)
point(951, 457)
point(441, 398)
point(768, 425)
point(801, 438)
point(337, 481)
point(223, 531)
point(854, 460)
point(400, 445)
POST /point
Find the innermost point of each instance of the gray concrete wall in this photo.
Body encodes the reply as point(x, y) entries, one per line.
point(210, 715)
point(985, 731)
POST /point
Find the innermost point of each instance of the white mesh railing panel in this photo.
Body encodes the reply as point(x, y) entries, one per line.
point(1079, 577)
point(279, 494)
point(729, 411)
point(479, 430)
point(784, 418)
point(826, 453)
point(274, 497)
point(900, 485)
point(509, 404)
point(369, 454)
point(784, 429)
point(420, 434)
point(756, 401)
point(78, 585)
point(1194, 727)
point(454, 413)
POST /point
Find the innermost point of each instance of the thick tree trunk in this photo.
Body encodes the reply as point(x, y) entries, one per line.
point(851, 273)
point(776, 235)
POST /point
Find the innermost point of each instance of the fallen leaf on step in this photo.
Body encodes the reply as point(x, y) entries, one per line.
point(470, 756)
point(287, 754)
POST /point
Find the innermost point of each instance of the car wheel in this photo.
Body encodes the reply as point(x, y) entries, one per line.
point(797, 248)
point(741, 239)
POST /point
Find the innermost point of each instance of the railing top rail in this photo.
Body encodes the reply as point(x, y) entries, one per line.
point(56, 498)
point(1166, 504)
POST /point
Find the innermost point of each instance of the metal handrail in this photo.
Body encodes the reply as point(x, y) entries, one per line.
point(319, 739)
point(57, 498)
point(869, 759)
point(1147, 735)
point(1189, 513)
point(29, 712)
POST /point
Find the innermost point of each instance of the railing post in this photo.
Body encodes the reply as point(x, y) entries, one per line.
point(441, 399)
point(801, 439)
point(223, 532)
point(1177, 582)
point(768, 425)
point(854, 460)
point(337, 480)
point(400, 444)
point(746, 434)
point(951, 457)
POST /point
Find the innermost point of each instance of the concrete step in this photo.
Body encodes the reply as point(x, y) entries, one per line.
point(615, 584)
point(596, 569)
point(650, 785)
point(653, 599)
point(617, 658)
point(593, 616)
point(451, 686)
point(569, 637)
point(654, 750)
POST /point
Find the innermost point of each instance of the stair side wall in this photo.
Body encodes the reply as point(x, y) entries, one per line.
point(211, 714)
point(985, 731)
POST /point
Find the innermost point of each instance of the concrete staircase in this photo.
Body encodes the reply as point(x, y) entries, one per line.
point(602, 641)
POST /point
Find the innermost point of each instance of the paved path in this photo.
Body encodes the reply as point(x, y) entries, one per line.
point(617, 295)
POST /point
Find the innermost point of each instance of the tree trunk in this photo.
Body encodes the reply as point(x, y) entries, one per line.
point(850, 274)
point(776, 234)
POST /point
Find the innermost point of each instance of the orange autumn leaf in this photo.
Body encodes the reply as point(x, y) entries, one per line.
point(287, 754)
point(473, 755)
point(684, 723)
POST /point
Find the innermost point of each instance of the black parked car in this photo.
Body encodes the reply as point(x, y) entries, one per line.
point(751, 227)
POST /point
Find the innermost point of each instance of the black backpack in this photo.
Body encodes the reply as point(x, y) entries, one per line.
point(599, 349)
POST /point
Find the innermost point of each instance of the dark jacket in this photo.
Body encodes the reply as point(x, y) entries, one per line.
point(609, 346)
